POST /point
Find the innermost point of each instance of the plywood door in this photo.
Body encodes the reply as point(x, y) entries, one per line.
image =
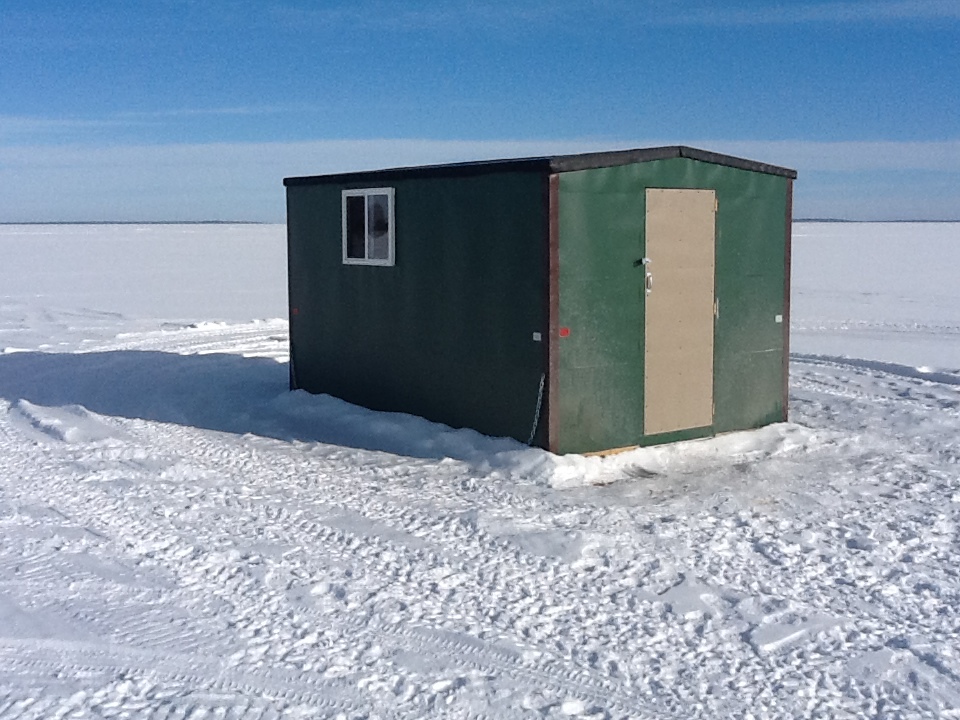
point(679, 321)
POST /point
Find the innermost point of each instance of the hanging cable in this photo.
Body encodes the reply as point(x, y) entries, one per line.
point(536, 415)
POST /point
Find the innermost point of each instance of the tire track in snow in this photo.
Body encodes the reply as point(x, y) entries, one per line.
point(355, 551)
point(277, 517)
point(905, 386)
point(158, 541)
point(410, 573)
point(60, 665)
point(189, 674)
point(362, 541)
point(512, 587)
point(268, 338)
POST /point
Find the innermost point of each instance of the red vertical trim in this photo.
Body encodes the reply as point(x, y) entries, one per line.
point(553, 333)
point(788, 243)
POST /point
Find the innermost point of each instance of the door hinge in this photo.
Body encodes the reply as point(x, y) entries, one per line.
point(716, 204)
point(716, 309)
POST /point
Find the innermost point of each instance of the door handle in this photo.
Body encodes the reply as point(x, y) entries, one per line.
point(648, 282)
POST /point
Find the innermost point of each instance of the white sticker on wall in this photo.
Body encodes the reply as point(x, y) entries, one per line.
point(779, 318)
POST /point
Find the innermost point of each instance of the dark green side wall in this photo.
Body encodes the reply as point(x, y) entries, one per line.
point(601, 300)
point(447, 333)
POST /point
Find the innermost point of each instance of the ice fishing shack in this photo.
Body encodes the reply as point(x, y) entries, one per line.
point(580, 303)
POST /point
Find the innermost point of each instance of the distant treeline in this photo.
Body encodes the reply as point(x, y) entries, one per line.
point(257, 222)
point(138, 222)
point(839, 220)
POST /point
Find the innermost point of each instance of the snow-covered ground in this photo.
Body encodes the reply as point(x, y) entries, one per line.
point(182, 538)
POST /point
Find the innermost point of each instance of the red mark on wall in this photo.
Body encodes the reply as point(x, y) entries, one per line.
point(294, 311)
point(564, 332)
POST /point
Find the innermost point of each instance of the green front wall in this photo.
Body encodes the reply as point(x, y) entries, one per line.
point(601, 236)
point(447, 333)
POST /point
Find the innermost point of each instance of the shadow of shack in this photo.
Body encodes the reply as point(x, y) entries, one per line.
point(580, 303)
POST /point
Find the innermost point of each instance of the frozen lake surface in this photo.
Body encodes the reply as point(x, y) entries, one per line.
point(878, 290)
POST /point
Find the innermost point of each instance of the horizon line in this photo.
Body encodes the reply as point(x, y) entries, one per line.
point(283, 222)
point(138, 222)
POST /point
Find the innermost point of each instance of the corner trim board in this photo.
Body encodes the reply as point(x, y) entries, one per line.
point(553, 313)
point(788, 249)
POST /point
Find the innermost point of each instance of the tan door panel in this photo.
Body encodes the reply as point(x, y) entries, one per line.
point(678, 347)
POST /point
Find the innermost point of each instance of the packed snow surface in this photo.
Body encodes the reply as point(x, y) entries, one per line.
point(180, 537)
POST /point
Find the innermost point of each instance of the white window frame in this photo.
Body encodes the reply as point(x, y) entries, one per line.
point(391, 230)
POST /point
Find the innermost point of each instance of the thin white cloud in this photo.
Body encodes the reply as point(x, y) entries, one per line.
point(417, 17)
point(25, 129)
point(228, 181)
point(12, 126)
point(512, 15)
point(824, 12)
point(856, 156)
point(221, 181)
point(206, 112)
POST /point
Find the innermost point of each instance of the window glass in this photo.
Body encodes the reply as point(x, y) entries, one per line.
point(356, 230)
point(368, 232)
point(378, 227)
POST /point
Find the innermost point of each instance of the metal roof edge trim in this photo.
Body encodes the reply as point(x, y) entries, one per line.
point(475, 167)
point(737, 162)
point(589, 161)
point(556, 163)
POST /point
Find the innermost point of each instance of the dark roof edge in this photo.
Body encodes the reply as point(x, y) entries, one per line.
point(477, 167)
point(556, 163)
point(589, 161)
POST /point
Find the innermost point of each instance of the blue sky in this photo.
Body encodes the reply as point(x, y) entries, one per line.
point(194, 110)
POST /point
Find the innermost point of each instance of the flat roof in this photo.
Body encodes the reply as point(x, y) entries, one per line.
point(548, 163)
